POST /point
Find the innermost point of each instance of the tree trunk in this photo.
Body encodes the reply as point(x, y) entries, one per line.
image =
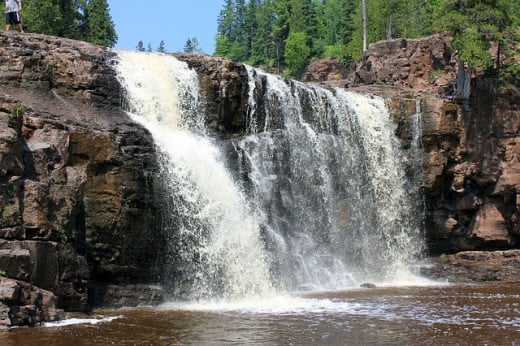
point(389, 29)
point(364, 19)
point(462, 89)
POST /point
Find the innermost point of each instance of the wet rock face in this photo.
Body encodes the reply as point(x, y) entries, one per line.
point(24, 304)
point(76, 175)
point(224, 88)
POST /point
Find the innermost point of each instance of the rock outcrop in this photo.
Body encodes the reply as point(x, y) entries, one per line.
point(475, 266)
point(76, 176)
point(470, 162)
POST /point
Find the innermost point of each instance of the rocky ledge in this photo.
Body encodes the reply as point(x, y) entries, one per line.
point(475, 266)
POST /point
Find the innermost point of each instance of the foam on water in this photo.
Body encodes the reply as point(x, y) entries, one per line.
point(75, 321)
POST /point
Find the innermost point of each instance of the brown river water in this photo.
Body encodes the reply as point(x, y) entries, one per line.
point(469, 314)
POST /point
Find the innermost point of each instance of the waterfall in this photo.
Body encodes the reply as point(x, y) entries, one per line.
point(327, 178)
point(215, 245)
point(320, 203)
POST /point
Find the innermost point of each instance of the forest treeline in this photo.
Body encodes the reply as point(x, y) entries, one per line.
point(86, 20)
point(287, 34)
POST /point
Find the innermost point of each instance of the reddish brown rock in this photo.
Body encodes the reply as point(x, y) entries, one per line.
point(419, 64)
point(489, 226)
point(24, 304)
point(470, 266)
point(326, 70)
point(76, 174)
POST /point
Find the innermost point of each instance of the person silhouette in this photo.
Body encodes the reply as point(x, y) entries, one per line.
point(12, 14)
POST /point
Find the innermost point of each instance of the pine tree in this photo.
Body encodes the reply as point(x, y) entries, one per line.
point(225, 30)
point(98, 26)
point(473, 25)
point(192, 46)
point(162, 47)
point(140, 47)
point(87, 20)
point(297, 52)
point(42, 17)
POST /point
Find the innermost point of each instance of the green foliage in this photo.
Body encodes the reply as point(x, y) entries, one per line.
point(474, 24)
point(140, 47)
point(473, 48)
point(14, 117)
point(7, 213)
point(162, 47)
point(2, 272)
point(63, 229)
point(17, 111)
point(511, 74)
point(192, 46)
point(97, 26)
point(258, 31)
point(87, 20)
point(11, 190)
point(296, 53)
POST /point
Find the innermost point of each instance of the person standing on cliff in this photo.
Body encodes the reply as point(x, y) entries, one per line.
point(12, 14)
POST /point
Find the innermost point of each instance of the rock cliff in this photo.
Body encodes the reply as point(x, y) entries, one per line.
point(470, 162)
point(77, 177)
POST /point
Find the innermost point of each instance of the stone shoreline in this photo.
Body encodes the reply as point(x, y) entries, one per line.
point(475, 266)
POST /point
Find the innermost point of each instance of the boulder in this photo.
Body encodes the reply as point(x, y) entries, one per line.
point(23, 304)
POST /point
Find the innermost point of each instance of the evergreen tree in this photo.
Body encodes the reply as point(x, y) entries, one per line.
point(140, 47)
point(98, 26)
point(262, 51)
point(225, 30)
point(389, 19)
point(87, 20)
point(280, 30)
point(337, 27)
point(192, 46)
point(42, 17)
point(162, 47)
point(473, 24)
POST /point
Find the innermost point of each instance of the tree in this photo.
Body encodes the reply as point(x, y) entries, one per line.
point(98, 26)
point(303, 18)
point(225, 29)
point(140, 47)
point(42, 17)
point(162, 47)
point(262, 51)
point(473, 24)
point(87, 20)
point(364, 23)
point(296, 53)
point(192, 46)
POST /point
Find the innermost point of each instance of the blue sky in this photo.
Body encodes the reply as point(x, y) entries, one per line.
point(173, 21)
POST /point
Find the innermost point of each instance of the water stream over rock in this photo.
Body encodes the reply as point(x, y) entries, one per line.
point(317, 199)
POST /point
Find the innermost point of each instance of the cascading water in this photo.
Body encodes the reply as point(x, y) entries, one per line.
point(321, 205)
point(215, 240)
point(326, 175)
